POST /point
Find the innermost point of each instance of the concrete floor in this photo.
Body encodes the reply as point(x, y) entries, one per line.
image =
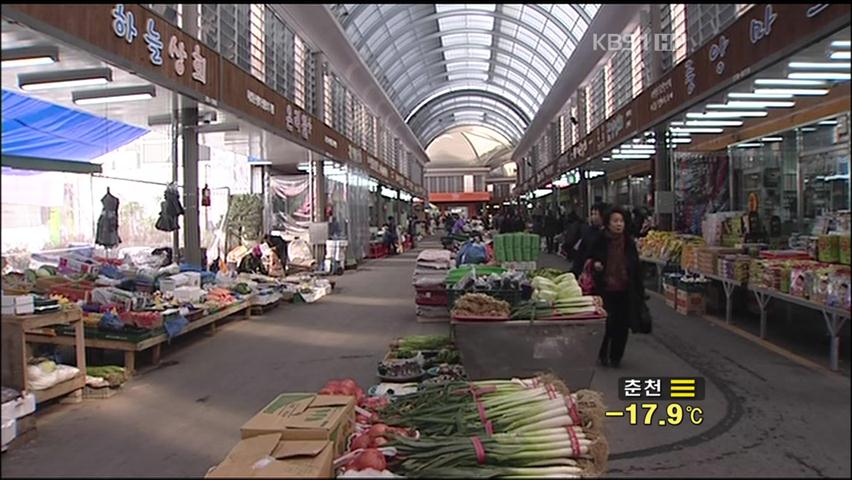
point(764, 414)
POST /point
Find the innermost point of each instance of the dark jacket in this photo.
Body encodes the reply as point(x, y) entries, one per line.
point(635, 290)
point(589, 236)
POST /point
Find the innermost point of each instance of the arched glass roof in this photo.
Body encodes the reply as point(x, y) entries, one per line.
point(447, 65)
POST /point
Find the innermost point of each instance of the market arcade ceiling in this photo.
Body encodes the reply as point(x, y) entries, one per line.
point(451, 65)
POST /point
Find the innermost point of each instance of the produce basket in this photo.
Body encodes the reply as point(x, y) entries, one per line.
point(522, 349)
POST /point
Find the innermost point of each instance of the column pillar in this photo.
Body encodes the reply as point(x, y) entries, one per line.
point(191, 225)
point(318, 187)
point(662, 184)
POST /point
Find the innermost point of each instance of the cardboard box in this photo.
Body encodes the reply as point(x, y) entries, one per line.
point(306, 416)
point(670, 294)
point(689, 303)
point(24, 305)
point(269, 456)
point(681, 302)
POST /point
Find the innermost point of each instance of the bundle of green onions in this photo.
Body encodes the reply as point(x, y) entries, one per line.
point(498, 406)
point(549, 452)
point(422, 342)
point(507, 429)
point(545, 309)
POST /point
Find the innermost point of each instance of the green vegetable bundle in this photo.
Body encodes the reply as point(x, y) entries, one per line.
point(507, 429)
point(548, 273)
point(499, 405)
point(422, 342)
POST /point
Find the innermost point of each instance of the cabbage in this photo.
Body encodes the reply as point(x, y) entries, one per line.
point(547, 294)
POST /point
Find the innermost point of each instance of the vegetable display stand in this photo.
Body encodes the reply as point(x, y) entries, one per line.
point(15, 334)
point(523, 348)
point(154, 343)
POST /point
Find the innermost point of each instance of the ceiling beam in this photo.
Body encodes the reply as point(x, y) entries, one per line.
point(320, 27)
point(611, 18)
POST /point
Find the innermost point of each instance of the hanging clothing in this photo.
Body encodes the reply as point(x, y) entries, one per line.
point(170, 210)
point(107, 234)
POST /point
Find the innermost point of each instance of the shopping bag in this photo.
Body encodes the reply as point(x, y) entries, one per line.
point(587, 278)
point(643, 323)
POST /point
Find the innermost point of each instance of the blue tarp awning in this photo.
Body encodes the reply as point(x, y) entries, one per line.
point(35, 128)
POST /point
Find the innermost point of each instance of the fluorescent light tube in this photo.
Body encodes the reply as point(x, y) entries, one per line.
point(840, 56)
point(632, 151)
point(821, 75)
point(680, 140)
point(828, 122)
point(749, 145)
point(772, 139)
point(629, 156)
point(796, 91)
point(605, 159)
point(714, 123)
point(818, 66)
point(120, 94)
point(808, 129)
point(699, 130)
point(64, 79)
point(785, 82)
point(29, 56)
point(726, 114)
point(219, 127)
point(678, 134)
point(841, 44)
point(754, 96)
point(735, 104)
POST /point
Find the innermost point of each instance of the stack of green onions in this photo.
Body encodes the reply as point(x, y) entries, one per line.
point(480, 408)
point(534, 431)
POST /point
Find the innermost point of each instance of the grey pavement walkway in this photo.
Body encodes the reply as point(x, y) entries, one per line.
point(764, 416)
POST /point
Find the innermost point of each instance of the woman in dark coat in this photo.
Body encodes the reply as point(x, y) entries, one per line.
point(618, 280)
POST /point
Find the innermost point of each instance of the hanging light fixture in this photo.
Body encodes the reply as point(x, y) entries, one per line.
point(30, 56)
point(64, 79)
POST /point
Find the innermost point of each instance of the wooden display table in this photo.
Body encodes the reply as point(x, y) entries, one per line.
point(130, 348)
point(15, 337)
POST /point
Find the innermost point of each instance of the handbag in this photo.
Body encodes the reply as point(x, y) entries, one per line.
point(587, 278)
point(644, 320)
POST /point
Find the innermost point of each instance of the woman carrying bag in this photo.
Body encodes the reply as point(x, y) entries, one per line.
point(615, 267)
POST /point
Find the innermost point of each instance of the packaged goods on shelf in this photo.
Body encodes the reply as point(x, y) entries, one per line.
point(707, 258)
point(689, 254)
point(734, 267)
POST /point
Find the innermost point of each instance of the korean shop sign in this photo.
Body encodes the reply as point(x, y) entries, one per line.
point(762, 35)
point(132, 37)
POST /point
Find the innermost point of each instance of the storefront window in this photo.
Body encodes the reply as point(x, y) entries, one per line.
point(807, 165)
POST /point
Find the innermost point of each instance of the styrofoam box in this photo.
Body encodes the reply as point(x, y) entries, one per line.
point(25, 405)
point(167, 285)
point(9, 409)
point(9, 431)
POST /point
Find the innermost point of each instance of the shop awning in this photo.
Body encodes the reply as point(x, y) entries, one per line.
point(38, 129)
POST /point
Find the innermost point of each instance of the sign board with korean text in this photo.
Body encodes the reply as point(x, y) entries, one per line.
point(762, 35)
point(134, 38)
